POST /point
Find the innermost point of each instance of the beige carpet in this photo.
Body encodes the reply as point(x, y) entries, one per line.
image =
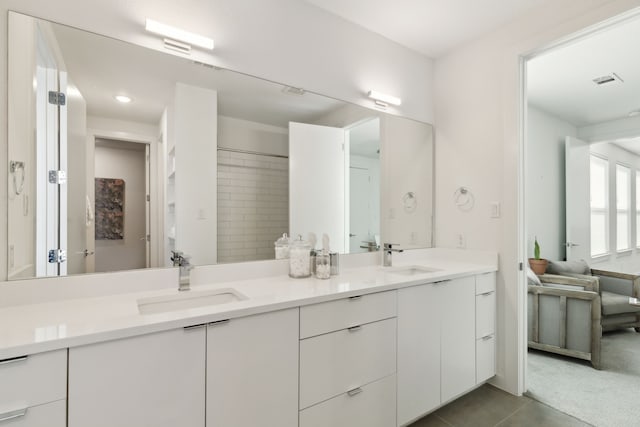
point(609, 397)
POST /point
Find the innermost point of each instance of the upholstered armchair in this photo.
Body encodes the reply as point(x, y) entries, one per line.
point(615, 290)
point(564, 316)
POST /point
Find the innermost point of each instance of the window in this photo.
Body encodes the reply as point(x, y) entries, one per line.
point(623, 208)
point(599, 195)
point(638, 208)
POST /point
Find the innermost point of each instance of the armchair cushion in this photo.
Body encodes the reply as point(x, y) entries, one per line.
point(564, 267)
point(613, 303)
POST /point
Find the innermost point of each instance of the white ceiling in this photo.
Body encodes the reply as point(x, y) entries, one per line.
point(560, 82)
point(431, 27)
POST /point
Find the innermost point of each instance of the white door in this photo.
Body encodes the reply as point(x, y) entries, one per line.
point(147, 205)
point(359, 209)
point(317, 182)
point(578, 231)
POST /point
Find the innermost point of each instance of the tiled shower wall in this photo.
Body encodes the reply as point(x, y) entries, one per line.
point(253, 205)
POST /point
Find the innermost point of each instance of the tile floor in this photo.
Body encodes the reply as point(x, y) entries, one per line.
point(488, 406)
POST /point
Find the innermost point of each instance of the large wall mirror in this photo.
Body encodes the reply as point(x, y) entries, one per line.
point(119, 154)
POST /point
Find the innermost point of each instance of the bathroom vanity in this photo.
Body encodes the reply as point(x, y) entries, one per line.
point(375, 346)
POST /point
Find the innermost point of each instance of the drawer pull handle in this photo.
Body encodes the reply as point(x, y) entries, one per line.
point(487, 337)
point(355, 391)
point(13, 360)
point(188, 328)
point(486, 294)
point(219, 322)
point(355, 298)
point(13, 414)
point(354, 328)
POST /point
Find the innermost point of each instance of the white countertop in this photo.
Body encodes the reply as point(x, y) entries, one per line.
point(35, 328)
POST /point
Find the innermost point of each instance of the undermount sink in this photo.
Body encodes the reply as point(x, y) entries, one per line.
point(412, 270)
point(188, 299)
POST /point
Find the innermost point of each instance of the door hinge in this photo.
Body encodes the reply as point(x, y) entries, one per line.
point(57, 98)
point(148, 198)
point(148, 237)
point(520, 266)
point(57, 256)
point(57, 177)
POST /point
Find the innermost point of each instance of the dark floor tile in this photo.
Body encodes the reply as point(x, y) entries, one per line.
point(430, 420)
point(535, 414)
point(485, 406)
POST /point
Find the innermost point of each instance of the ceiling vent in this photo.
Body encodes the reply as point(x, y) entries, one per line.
point(293, 90)
point(607, 79)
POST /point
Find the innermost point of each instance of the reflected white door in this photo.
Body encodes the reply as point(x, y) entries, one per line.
point(578, 231)
point(317, 182)
point(359, 209)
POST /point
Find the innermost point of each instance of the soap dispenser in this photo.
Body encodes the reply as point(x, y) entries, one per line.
point(282, 247)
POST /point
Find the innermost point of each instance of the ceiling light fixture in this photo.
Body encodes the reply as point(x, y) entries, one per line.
point(178, 34)
point(382, 100)
point(634, 113)
point(123, 99)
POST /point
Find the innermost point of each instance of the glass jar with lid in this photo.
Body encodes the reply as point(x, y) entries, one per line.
point(299, 258)
point(282, 247)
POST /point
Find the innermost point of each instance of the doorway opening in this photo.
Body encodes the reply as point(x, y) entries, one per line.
point(121, 205)
point(570, 111)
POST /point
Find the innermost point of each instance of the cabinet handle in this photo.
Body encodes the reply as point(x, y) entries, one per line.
point(355, 391)
point(354, 328)
point(355, 298)
point(13, 360)
point(219, 322)
point(486, 294)
point(189, 328)
point(487, 337)
point(13, 414)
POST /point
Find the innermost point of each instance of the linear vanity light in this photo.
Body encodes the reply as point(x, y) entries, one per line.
point(177, 35)
point(382, 99)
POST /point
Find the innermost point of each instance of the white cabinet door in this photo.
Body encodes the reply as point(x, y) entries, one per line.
point(252, 371)
point(418, 352)
point(436, 345)
point(458, 336)
point(150, 380)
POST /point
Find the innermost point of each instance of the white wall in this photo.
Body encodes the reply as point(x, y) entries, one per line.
point(477, 98)
point(195, 132)
point(628, 127)
point(123, 161)
point(545, 182)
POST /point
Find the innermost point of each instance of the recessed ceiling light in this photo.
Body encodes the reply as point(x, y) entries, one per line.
point(123, 98)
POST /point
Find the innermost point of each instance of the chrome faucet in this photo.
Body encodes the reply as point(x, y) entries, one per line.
point(386, 253)
point(181, 261)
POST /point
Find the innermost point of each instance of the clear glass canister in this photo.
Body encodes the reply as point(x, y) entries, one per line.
point(282, 247)
point(299, 258)
point(323, 266)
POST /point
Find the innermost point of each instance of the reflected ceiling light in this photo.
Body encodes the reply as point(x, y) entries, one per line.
point(382, 99)
point(634, 113)
point(123, 98)
point(178, 34)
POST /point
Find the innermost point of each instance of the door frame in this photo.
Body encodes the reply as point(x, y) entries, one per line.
point(155, 217)
point(524, 56)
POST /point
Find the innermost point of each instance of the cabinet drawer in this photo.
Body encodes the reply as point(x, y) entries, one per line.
point(485, 283)
point(34, 380)
point(334, 363)
point(373, 405)
point(51, 415)
point(332, 316)
point(485, 314)
point(485, 358)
